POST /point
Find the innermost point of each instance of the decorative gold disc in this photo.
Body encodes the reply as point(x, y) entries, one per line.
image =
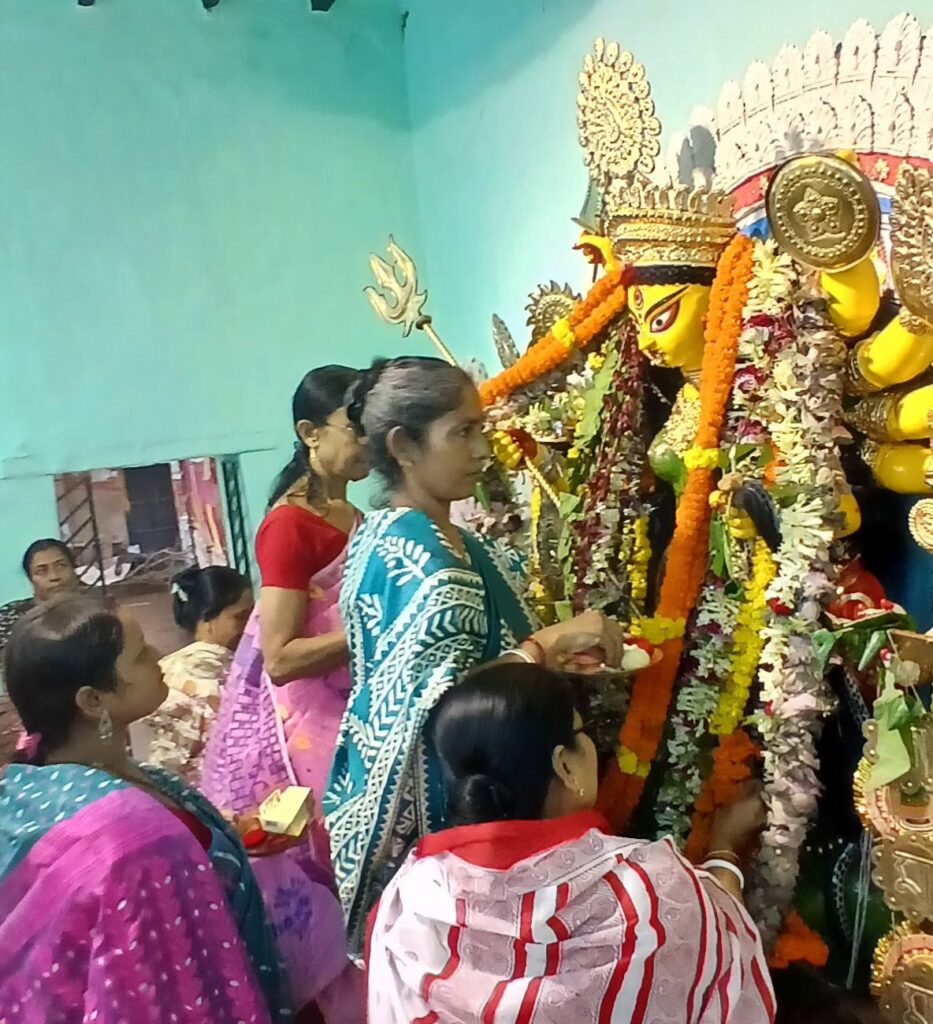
point(902, 976)
point(547, 305)
point(920, 520)
point(823, 211)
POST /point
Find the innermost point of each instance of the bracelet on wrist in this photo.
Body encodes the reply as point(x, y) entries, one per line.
point(714, 864)
point(522, 655)
point(724, 855)
point(538, 654)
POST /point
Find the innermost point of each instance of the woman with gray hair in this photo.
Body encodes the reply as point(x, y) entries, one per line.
point(423, 603)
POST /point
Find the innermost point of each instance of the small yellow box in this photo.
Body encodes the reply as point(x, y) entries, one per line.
point(286, 812)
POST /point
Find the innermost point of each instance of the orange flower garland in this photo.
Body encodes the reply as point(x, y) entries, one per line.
point(798, 943)
point(602, 304)
point(688, 552)
point(733, 761)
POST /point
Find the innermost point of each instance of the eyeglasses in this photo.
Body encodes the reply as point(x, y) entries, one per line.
point(347, 427)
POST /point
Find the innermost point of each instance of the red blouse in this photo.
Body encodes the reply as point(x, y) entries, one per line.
point(293, 545)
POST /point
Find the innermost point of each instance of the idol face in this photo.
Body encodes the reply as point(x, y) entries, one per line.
point(671, 320)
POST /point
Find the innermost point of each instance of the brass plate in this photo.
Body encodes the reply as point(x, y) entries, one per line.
point(823, 211)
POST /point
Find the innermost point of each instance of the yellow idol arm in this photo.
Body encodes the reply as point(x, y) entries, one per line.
point(909, 419)
point(854, 297)
point(902, 468)
point(895, 355)
point(851, 515)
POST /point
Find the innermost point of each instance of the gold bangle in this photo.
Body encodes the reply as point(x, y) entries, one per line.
point(724, 855)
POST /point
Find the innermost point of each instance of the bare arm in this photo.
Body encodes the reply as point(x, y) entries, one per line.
point(287, 654)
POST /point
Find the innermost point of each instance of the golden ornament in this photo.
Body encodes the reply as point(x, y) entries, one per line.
point(920, 521)
point(652, 224)
point(548, 304)
point(902, 976)
point(615, 113)
point(823, 211)
point(912, 242)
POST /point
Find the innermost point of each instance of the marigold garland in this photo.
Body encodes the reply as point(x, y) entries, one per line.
point(732, 768)
point(701, 458)
point(657, 629)
point(798, 943)
point(640, 559)
point(747, 644)
point(687, 555)
point(604, 302)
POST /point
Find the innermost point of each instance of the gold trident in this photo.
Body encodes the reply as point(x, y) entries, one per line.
point(400, 302)
point(397, 299)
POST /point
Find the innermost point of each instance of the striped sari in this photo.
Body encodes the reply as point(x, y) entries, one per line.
point(555, 922)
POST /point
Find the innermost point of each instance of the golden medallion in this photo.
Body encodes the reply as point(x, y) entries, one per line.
point(823, 211)
point(920, 521)
point(902, 976)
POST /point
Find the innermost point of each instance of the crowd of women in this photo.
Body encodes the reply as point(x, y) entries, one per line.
point(391, 665)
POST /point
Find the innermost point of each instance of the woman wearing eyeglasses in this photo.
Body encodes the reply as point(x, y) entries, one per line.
point(528, 910)
point(288, 686)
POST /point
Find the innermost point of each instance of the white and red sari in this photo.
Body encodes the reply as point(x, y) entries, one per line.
point(556, 922)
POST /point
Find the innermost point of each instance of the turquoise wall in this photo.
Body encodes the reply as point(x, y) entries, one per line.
point(493, 88)
point(187, 201)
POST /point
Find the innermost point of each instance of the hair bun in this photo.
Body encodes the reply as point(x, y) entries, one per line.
point(359, 392)
point(478, 798)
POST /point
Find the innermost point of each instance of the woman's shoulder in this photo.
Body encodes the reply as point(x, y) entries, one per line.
point(74, 806)
point(293, 516)
point(199, 661)
point(408, 525)
point(404, 535)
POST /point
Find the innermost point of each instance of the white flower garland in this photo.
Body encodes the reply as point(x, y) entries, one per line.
point(805, 397)
point(771, 293)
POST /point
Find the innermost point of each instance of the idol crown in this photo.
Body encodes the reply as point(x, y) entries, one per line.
point(651, 224)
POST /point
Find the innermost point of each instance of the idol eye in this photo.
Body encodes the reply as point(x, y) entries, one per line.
point(663, 320)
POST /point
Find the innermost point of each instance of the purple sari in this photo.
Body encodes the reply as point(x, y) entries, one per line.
point(112, 911)
point(266, 737)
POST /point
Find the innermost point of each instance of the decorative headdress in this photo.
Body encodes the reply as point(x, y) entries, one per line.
point(649, 223)
point(664, 225)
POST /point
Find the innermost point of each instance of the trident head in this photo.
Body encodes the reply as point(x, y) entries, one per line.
point(397, 299)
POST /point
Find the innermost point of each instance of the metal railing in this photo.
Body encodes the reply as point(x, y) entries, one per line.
point(77, 525)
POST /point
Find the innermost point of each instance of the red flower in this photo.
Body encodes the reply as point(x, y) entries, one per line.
point(778, 607)
point(526, 443)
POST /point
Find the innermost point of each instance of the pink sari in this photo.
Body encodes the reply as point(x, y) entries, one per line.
point(555, 922)
point(266, 737)
point(112, 911)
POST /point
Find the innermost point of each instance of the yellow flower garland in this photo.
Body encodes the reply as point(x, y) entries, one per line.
point(630, 765)
point(657, 629)
point(505, 449)
point(564, 332)
point(701, 458)
point(638, 565)
point(747, 644)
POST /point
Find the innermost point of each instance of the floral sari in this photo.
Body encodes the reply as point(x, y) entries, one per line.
point(111, 910)
point(179, 728)
point(418, 616)
point(266, 737)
